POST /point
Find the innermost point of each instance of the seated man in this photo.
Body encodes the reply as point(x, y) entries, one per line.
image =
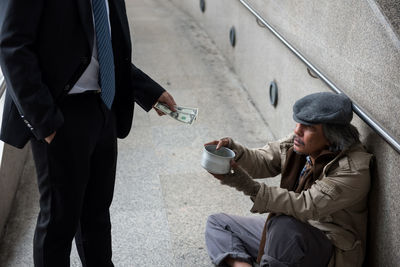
point(318, 215)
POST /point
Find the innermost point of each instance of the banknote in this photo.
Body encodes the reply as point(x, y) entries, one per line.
point(187, 110)
point(182, 114)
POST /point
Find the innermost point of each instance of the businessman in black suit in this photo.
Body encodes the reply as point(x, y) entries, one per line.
point(71, 89)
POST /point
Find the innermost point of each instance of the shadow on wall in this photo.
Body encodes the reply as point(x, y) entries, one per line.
point(375, 198)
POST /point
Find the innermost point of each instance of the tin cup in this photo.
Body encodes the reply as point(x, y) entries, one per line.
point(217, 161)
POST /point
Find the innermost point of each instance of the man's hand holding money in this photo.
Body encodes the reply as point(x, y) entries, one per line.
point(167, 99)
point(183, 114)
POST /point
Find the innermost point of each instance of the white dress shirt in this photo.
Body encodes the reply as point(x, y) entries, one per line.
point(90, 77)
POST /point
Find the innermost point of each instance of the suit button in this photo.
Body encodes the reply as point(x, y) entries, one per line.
point(66, 88)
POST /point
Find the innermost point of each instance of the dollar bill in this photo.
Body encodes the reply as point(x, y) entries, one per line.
point(182, 114)
point(187, 110)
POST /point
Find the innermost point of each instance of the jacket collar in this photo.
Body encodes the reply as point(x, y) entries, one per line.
point(118, 15)
point(295, 163)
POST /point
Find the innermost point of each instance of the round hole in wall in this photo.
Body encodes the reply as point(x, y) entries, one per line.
point(260, 23)
point(232, 36)
point(203, 5)
point(273, 93)
point(312, 74)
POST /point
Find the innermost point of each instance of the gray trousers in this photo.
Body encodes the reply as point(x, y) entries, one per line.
point(289, 242)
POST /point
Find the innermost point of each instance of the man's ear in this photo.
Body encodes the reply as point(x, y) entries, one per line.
point(327, 143)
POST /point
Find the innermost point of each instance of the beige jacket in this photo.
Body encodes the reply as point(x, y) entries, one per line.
point(336, 204)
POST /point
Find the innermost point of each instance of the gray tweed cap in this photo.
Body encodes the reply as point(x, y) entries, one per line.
point(323, 108)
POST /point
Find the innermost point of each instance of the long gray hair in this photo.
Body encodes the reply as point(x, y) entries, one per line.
point(340, 137)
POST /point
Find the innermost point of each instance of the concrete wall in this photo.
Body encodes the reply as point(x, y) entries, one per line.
point(350, 42)
point(12, 165)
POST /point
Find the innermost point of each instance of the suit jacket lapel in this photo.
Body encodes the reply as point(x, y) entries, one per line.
point(118, 12)
point(85, 12)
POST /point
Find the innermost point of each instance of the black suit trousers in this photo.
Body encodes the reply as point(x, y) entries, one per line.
point(76, 175)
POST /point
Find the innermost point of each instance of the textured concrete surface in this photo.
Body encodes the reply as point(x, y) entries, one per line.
point(162, 195)
point(356, 45)
point(12, 166)
point(391, 10)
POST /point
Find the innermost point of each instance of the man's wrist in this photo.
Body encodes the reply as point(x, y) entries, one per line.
point(242, 181)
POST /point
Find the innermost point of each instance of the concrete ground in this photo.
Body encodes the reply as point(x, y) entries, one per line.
point(162, 195)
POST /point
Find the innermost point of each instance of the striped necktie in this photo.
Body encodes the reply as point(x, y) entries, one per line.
point(104, 52)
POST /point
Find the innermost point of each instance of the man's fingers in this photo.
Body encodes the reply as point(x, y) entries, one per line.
point(50, 138)
point(159, 112)
point(218, 176)
point(167, 99)
point(215, 142)
point(234, 164)
point(220, 144)
point(173, 103)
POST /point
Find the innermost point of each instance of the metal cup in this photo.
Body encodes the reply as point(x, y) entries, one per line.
point(217, 161)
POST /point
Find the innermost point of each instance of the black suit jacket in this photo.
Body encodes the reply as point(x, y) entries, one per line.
point(45, 46)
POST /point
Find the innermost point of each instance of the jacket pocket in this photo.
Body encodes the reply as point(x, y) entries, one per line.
point(328, 188)
point(345, 240)
point(349, 258)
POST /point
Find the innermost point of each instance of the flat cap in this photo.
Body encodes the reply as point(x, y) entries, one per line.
point(323, 108)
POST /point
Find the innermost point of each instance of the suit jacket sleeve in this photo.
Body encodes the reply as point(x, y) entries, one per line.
point(146, 90)
point(21, 67)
